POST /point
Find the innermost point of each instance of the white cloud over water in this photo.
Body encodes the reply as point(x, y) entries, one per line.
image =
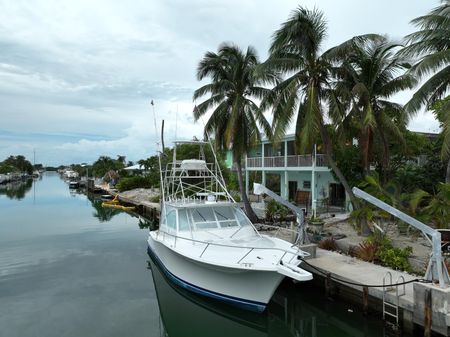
point(76, 77)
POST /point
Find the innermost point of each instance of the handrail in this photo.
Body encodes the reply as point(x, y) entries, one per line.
point(278, 228)
point(299, 252)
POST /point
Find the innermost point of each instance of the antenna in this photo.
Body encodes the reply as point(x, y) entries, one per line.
point(159, 156)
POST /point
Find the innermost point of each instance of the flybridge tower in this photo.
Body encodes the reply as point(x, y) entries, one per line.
point(191, 180)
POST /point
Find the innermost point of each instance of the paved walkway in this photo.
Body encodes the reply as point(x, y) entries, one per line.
point(354, 270)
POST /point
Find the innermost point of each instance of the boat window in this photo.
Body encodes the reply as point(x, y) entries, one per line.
point(225, 216)
point(224, 213)
point(204, 218)
point(171, 220)
point(243, 221)
point(203, 214)
point(183, 222)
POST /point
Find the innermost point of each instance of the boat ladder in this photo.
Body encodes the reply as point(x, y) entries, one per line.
point(392, 309)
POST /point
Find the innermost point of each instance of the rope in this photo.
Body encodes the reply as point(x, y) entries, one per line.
point(364, 285)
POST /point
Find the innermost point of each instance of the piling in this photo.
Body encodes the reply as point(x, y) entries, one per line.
point(428, 314)
point(328, 285)
point(365, 300)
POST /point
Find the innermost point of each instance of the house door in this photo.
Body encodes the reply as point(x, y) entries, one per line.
point(337, 195)
point(292, 189)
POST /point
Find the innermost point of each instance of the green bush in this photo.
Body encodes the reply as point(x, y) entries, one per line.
point(395, 258)
point(274, 208)
point(156, 198)
point(388, 255)
point(129, 183)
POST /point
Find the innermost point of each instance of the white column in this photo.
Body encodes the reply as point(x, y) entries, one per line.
point(285, 153)
point(263, 178)
point(286, 185)
point(262, 155)
point(313, 182)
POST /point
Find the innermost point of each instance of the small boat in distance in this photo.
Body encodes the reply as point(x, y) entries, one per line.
point(206, 244)
point(74, 184)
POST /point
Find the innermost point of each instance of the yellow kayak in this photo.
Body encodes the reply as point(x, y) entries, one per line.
point(116, 206)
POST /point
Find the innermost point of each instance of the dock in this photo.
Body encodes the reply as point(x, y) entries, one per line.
point(338, 272)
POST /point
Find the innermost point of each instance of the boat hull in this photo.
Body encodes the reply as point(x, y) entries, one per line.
point(247, 289)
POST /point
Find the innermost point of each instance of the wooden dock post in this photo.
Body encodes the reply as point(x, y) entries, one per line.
point(328, 285)
point(428, 314)
point(365, 300)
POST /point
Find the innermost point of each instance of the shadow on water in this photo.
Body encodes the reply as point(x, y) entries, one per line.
point(16, 189)
point(295, 310)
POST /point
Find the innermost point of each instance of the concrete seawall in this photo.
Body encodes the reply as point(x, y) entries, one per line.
point(412, 305)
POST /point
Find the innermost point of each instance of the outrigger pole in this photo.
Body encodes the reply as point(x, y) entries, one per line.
point(436, 269)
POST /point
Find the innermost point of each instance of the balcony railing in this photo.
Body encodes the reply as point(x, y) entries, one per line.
point(292, 161)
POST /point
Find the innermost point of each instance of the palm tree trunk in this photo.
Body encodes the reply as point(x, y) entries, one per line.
point(365, 230)
point(248, 209)
point(447, 175)
point(385, 159)
point(365, 148)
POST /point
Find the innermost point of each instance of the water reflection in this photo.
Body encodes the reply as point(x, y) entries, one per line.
point(103, 214)
point(293, 311)
point(16, 189)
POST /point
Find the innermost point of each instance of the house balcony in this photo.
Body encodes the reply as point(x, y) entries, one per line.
point(296, 161)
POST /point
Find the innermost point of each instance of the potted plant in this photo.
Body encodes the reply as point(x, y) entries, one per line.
point(315, 225)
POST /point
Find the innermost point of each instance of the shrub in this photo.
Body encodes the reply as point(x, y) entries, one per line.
point(129, 183)
point(156, 198)
point(275, 209)
point(378, 248)
point(328, 244)
point(366, 251)
point(395, 258)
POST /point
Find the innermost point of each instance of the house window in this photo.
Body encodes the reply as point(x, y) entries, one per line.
point(307, 184)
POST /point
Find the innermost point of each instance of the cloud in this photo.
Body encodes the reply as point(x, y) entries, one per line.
point(76, 78)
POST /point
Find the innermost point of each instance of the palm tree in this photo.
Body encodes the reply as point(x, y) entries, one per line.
point(235, 117)
point(431, 44)
point(295, 52)
point(369, 72)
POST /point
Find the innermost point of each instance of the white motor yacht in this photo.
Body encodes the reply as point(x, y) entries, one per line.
point(206, 244)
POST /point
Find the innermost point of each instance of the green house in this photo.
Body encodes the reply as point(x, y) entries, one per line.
point(303, 178)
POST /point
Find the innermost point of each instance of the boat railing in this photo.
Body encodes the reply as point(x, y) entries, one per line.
point(207, 244)
point(278, 230)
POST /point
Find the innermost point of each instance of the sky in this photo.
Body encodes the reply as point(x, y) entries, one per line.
point(77, 77)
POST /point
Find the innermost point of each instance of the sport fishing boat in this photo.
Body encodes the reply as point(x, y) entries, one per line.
point(205, 243)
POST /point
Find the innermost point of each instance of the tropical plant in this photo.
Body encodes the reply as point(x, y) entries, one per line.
point(295, 52)
point(431, 44)
point(104, 164)
point(235, 117)
point(368, 74)
point(18, 164)
point(379, 249)
point(442, 112)
point(275, 210)
point(433, 209)
point(366, 251)
point(328, 243)
point(129, 183)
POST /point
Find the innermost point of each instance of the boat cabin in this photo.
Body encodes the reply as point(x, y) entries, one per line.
point(221, 220)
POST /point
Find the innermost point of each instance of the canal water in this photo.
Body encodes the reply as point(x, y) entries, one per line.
point(68, 267)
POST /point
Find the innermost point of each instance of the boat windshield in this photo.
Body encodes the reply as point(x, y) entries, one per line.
point(200, 218)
